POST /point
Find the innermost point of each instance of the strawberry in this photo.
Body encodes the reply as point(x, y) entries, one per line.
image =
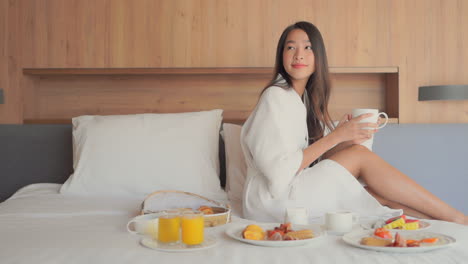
point(395, 218)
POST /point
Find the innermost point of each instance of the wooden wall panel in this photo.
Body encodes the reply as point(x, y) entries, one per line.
point(61, 98)
point(10, 63)
point(426, 39)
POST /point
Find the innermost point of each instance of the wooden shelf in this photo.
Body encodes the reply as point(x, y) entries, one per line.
point(186, 71)
point(106, 91)
point(363, 69)
point(393, 121)
point(146, 71)
point(225, 120)
point(69, 121)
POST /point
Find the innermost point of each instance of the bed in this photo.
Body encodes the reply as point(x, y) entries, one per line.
point(74, 222)
point(39, 225)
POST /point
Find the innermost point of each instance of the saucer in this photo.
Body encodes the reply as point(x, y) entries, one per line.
point(336, 233)
point(181, 247)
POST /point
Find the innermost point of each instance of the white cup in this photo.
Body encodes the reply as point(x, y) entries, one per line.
point(144, 224)
point(297, 215)
point(340, 221)
point(372, 119)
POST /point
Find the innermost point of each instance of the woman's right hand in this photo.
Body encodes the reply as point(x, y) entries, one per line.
point(349, 129)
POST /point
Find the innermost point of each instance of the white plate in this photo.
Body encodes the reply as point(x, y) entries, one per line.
point(354, 239)
point(154, 244)
point(379, 223)
point(236, 233)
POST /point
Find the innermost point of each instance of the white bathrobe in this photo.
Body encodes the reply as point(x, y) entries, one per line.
point(273, 139)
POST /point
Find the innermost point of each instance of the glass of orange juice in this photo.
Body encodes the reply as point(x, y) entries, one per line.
point(192, 227)
point(169, 227)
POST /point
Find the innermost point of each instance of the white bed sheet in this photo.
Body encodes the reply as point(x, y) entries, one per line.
point(39, 225)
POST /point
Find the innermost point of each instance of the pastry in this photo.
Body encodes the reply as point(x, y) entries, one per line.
point(205, 210)
point(298, 235)
point(376, 242)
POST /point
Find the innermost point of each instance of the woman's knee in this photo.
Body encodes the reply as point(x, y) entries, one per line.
point(353, 151)
point(359, 149)
point(351, 158)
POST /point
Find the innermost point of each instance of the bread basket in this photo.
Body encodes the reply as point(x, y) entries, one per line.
point(172, 199)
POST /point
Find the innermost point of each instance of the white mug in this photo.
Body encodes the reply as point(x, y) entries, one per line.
point(340, 221)
point(372, 119)
point(144, 224)
point(297, 216)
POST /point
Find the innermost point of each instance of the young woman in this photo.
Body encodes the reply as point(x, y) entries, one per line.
point(292, 160)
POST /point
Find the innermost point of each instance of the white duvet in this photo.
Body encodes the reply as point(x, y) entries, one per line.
point(39, 225)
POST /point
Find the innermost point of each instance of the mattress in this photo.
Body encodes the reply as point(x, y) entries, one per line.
point(39, 225)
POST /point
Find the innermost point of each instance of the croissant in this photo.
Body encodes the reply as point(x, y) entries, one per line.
point(205, 210)
point(298, 235)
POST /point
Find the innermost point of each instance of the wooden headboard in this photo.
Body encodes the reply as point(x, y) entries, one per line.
point(57, 95)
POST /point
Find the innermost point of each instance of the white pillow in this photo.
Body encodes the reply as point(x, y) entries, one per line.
point(135, 155)
point(236, 168)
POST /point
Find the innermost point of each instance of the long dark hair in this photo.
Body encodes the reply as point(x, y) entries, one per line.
point(318, 86)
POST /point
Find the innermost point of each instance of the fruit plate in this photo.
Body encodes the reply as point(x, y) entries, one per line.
point(354, 239)
point(379, 223)
point(235, 232)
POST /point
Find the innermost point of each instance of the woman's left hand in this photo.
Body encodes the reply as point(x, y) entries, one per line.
point(352, 130)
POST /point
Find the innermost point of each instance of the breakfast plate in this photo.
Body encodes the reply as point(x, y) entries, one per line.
point(354, 239)
point(151, 243)
point(235, 232)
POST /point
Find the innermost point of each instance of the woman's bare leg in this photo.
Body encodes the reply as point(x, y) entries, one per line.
point(391, 184)
point(395, 205)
